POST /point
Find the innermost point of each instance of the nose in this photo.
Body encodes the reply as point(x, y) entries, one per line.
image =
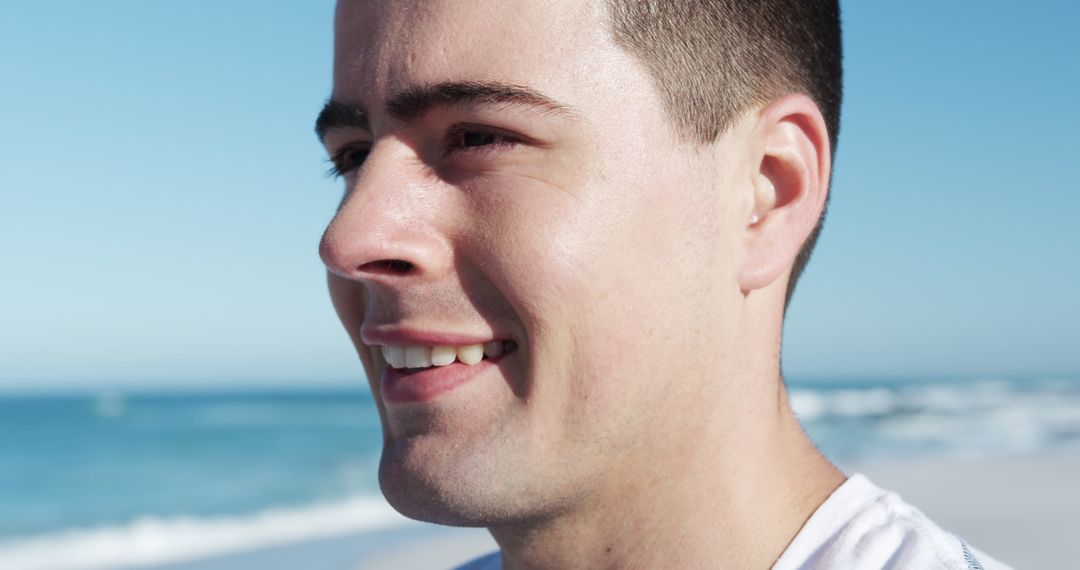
point(386, 229)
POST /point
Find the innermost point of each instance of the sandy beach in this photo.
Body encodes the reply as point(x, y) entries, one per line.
point(1021, 510)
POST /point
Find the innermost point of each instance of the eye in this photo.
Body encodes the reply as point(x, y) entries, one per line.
point(468, 138)
point(477, 138)
point(348, 159)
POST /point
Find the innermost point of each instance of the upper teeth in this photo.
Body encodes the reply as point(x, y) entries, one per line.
point(425, 356)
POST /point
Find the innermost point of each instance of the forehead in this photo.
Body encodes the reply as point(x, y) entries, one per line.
point(559, 47)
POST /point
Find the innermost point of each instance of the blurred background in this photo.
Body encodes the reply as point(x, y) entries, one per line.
point(175, 390)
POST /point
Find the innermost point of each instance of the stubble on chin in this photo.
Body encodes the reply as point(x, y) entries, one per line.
point(434, 473)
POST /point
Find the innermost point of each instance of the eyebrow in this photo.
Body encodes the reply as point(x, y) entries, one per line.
point(413, 103)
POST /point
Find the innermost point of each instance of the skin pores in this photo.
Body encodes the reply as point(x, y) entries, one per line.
point(592, 238)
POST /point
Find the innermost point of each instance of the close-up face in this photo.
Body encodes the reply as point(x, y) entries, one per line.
point(511, 179)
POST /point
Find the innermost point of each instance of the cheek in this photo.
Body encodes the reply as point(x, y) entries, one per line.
point(591, 273)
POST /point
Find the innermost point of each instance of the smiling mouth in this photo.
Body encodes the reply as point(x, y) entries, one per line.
point(418, 357)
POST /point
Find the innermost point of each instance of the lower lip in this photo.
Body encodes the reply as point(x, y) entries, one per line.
point(402, 385)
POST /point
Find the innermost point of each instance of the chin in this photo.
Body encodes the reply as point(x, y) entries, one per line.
point(449, 491)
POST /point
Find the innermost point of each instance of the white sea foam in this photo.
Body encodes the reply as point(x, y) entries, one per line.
point(150, 540)
point(971, 418)
point(813, 404)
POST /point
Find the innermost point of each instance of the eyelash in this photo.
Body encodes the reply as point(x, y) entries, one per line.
point(338, 166)
point(341, 163)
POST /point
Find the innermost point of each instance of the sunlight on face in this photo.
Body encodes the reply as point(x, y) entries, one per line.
point(583, 234)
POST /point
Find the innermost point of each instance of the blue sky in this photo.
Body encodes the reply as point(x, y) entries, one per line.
point(163, 195)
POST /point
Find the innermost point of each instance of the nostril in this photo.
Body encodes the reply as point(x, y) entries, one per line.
point(388, 266)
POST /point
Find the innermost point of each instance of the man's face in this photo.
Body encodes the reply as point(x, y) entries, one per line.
point(568, 224)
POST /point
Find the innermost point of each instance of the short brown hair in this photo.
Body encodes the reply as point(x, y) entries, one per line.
point(712, 60)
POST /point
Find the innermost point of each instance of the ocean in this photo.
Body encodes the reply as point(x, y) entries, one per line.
point(113, 479)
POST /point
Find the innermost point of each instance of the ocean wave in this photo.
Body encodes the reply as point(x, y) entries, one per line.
point(811, 404)
point(150, 540)
point(980, 418)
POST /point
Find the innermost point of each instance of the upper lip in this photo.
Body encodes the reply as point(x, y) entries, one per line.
point(382, 335)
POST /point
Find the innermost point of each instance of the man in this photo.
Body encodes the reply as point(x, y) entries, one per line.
point(569, 234)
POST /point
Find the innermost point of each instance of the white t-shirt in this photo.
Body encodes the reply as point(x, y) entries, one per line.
point(861, 526)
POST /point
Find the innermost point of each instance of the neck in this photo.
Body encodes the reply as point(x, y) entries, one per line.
point(730, 497)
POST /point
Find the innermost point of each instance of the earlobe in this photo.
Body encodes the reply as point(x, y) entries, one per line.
point(789, 189)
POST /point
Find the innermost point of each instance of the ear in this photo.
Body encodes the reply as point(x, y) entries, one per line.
point(790, 180)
